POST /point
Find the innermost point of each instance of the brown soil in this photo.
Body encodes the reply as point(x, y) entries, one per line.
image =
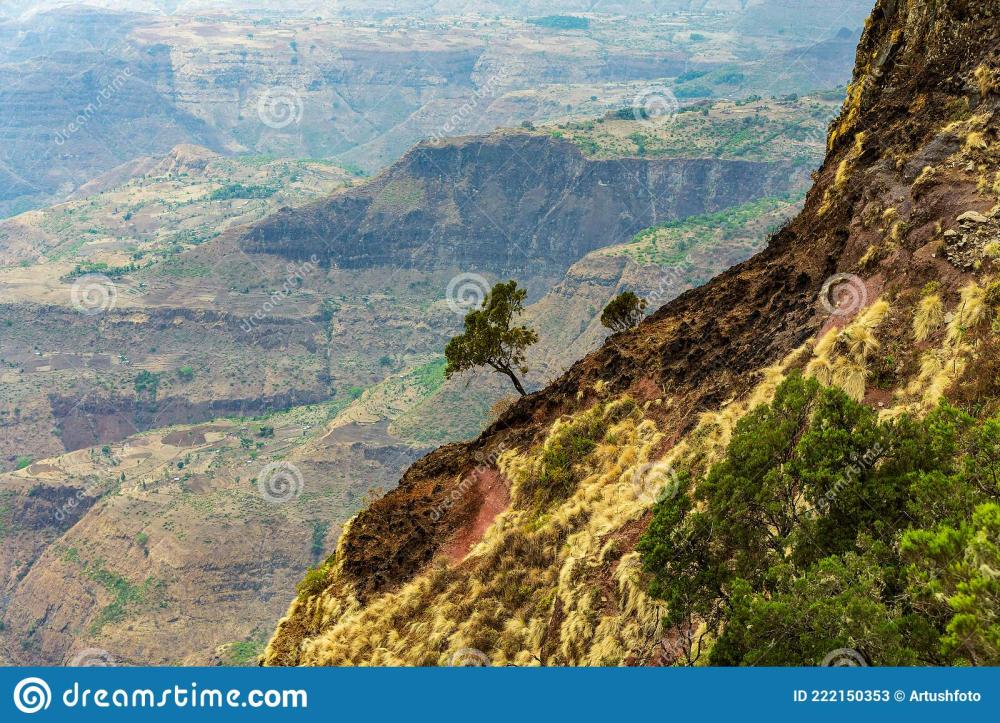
point(493, 491)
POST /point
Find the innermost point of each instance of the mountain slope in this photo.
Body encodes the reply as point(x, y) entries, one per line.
point(521, 546)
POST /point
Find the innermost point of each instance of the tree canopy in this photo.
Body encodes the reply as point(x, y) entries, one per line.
point(490, 338)
point(623, 312)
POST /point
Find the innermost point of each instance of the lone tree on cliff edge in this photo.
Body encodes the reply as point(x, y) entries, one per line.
point(489, 339)
point(625, 311)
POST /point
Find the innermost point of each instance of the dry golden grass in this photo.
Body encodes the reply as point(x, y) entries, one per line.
point(972, 310)
point(975, 141)
point(851, 376)
point(928, 318)
point(926, 176)
point(985, 80)
point(840, 358)
point(533, 567)
point(844, 171)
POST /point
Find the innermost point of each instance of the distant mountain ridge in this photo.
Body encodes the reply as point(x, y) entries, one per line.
point(509, 203)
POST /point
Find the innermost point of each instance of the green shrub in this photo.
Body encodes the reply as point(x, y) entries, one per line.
point(314, 582)
point(824, 527)
point(147, 383)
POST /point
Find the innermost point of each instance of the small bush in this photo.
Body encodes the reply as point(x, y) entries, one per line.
point(623, 312)
point(314, 582)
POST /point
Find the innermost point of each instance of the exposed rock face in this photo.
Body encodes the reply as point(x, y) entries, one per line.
point(924, 95)
point(508, 203)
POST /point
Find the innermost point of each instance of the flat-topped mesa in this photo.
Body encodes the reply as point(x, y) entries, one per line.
point(508, 203)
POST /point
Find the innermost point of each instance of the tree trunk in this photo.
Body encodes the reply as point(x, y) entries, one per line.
point(517, 382)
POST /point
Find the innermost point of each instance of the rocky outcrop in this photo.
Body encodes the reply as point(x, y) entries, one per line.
point(508, 203)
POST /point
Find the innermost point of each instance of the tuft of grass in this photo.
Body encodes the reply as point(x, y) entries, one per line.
point(851, 376)
point(972, 310)
point(925, 178)
point(985, 80)
point(976, 141)
point(928, 318)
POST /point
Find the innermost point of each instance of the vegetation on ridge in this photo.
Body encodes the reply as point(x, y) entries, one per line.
point(824, 528)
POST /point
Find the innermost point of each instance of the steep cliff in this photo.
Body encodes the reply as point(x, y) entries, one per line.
point(509, 203)
point(521, 546)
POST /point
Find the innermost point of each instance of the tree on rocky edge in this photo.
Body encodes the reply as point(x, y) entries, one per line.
point(623, 312)
point(490, 338)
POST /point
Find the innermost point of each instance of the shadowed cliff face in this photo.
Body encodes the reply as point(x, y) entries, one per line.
point(508, 203)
